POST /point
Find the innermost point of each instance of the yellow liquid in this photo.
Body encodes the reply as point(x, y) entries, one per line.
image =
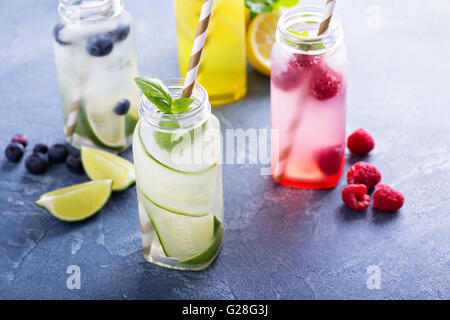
point(222, 69)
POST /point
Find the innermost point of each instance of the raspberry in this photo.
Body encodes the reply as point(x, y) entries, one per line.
point(387, 199)
point(288, 79)
point(307, 61)
point(20, 138)
point(360, 142)
point(325, 83)
point(363, 173)
point(355, 197)
point(330, 159)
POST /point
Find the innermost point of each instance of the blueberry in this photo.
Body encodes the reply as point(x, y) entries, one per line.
point(120, 33)
point(56, 31)
point(40, 148)
point(36, 163)
point(99, 46)
point(122, 107)
point(58, 153)
point(73, 163)
point(20, 138)
point(14, 152)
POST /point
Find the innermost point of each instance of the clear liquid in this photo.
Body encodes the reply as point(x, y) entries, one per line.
point(95, 84)
point(180, 203)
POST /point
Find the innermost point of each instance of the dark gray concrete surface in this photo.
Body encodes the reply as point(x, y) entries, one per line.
point(280, 243)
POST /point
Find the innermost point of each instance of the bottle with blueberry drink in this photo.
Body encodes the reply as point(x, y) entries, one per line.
point(308, 99)
point(96, 63)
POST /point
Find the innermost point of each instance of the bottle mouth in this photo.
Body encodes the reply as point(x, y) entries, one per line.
point(196, 116)
point(88, 11)
point(298, 29)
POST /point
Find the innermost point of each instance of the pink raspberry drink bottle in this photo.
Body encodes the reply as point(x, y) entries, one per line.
point(308, 97)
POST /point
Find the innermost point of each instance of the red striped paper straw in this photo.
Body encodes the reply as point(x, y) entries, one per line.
point(197, 48)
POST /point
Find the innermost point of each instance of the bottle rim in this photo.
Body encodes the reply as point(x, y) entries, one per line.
point(311, 44)
point(188, 120)
point(79, 11)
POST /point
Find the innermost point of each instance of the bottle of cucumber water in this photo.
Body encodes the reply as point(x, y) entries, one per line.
point(177, 159)
point(95, 56)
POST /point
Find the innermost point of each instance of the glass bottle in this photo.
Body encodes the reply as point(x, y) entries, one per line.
point(179, 182)
point(222, 69)
point(308, 100)
point(95, 55)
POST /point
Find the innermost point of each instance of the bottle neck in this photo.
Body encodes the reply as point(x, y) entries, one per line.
point(182, 122)
point(89, 11)
point(297, 31)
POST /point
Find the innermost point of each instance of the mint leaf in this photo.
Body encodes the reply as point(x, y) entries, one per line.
point(311, 46)
point(284, 3)
point(303, 34)
point(156, 92)
point(181, 105)
point(164, 139)
point(307, 46)
point(263, 6)
point(258, 6)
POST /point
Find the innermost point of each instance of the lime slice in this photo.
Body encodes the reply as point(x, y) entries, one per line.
point(106, 129)
point(180, 236)
point(212, 251)
point(130, 123)
point(101, 165)
point(78, 202)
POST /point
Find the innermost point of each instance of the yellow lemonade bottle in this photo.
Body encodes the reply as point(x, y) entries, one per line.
point(222, 69)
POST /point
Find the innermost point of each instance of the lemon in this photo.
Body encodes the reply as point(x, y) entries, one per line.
point(77, 202)
point(260, 38)
point(101, 165)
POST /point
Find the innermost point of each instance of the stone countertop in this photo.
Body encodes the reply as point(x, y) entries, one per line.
point(280, 243)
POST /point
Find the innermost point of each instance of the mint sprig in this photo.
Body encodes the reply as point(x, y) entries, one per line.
point(264, 6)
point(158, 94)
point(165, 139)
point(307, 46)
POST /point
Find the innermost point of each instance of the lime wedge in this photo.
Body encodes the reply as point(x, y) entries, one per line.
point(78, 202)
point(105, 128)
point(130, 123)
point(101, 165)
point(212, 251)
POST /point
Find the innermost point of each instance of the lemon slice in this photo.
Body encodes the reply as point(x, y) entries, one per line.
point(78, 202)
point(101, 165)
point(260, 38)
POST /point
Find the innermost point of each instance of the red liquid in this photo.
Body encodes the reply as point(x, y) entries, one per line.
point(309, 152)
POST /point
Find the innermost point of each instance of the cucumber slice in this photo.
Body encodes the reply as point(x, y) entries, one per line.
point(188, 193)
point(180, 236)
point(212, 251)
